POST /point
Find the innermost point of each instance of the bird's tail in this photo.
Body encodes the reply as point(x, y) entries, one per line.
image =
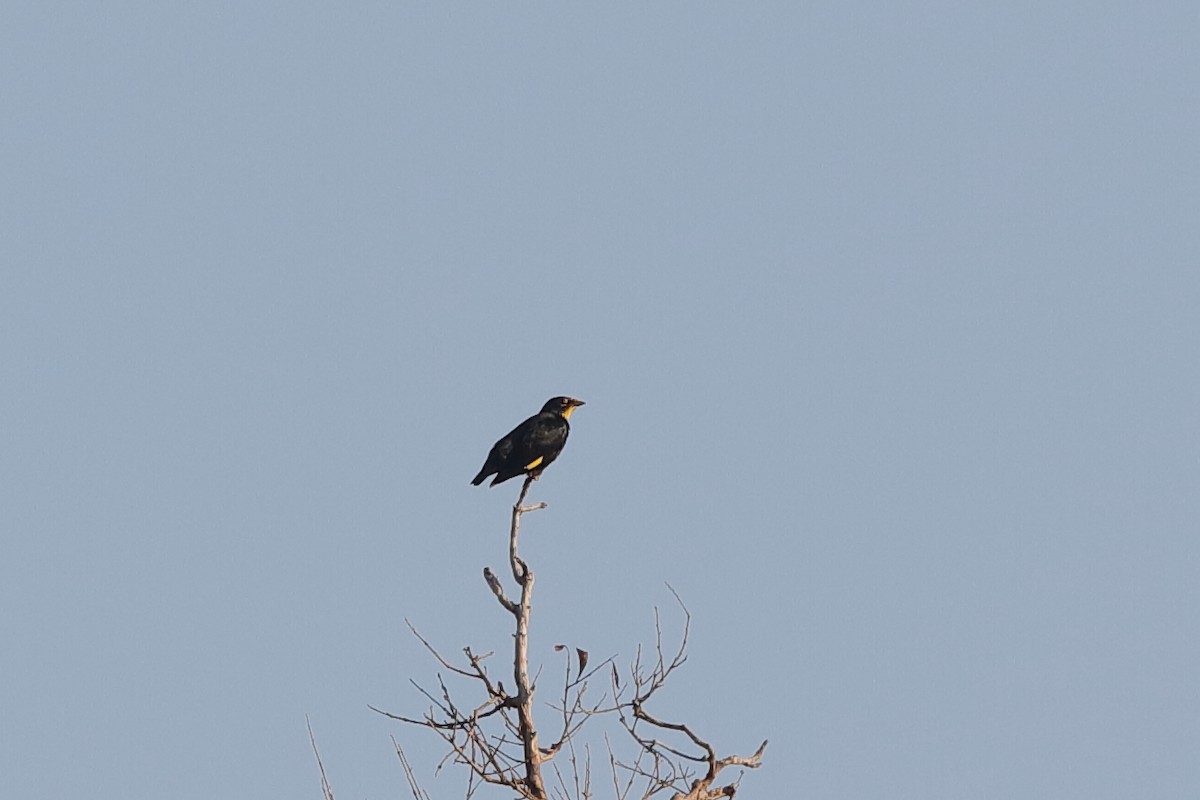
point(478, 479)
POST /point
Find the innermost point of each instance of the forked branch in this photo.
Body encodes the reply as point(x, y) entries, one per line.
point(671, 767)
point(496, 737)
point(506, 754)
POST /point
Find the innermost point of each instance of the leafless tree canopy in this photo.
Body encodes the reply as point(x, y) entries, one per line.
point(496, 738)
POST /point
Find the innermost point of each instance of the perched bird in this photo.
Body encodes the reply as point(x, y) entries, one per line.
point(531, 446)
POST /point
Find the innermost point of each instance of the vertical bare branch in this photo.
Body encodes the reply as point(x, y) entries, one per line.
point(417, 792)
point(326, 788)
point(524, 699)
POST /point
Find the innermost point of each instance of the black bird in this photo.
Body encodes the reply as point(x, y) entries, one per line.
point(531, 446)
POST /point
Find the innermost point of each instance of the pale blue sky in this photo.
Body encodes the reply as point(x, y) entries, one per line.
point(885, 314)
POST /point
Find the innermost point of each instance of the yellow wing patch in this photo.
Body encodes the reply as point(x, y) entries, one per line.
point(533, 464)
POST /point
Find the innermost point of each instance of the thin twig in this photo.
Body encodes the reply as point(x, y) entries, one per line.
point(417, 792)
point(326, 788)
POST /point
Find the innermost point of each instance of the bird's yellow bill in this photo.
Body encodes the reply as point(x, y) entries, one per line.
point(534, 463)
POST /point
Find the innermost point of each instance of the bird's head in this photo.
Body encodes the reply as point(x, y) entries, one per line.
point(563, 406)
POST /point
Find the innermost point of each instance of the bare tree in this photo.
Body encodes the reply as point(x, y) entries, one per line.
point(497, 739)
